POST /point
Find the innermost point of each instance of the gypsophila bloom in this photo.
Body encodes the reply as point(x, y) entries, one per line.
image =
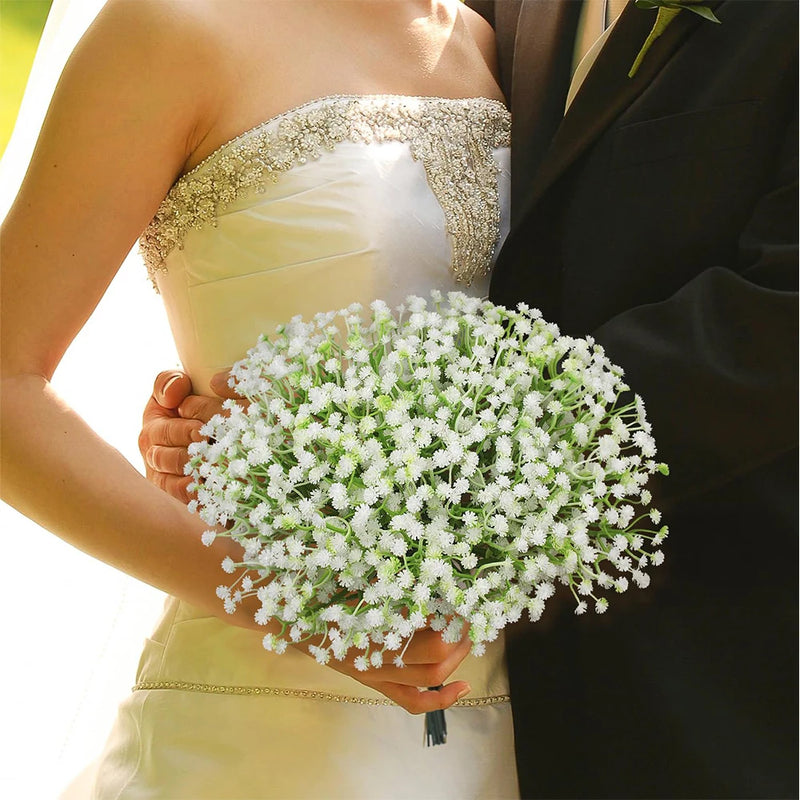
point(453, 462)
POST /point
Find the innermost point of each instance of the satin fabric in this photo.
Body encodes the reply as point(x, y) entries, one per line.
point(358, 223)
point(176, 744)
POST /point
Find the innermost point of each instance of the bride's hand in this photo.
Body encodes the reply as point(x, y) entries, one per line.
point(171, 421)
point(429, 661)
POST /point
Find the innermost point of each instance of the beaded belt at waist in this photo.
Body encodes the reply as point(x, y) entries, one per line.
point(303, 694)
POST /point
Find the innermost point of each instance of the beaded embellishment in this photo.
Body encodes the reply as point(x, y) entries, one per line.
point(452, 138)
point(302, 694)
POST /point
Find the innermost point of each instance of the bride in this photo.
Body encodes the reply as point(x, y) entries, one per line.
point(377, 169)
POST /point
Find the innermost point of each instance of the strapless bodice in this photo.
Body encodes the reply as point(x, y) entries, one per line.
point(344, 199)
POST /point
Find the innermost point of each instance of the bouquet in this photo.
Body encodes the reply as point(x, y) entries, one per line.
point(455, 461)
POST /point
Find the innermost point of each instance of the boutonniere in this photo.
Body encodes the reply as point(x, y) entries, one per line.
point(667, 11)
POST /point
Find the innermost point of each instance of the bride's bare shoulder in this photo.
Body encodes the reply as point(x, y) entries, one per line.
point(208, 40)
point(174, 27)
point(192, 23)
point(161, 53)
point(483, 34)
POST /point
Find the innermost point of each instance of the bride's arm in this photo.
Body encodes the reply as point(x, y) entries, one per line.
point(133, 102)
point(117, 134)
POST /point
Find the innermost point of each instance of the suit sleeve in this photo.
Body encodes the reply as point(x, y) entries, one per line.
point(716, 363)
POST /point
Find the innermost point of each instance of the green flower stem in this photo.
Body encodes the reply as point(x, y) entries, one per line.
point(664, 17)
point(486, 566)
point(325, 577)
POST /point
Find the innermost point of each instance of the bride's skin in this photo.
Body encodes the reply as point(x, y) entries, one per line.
point(153, 88)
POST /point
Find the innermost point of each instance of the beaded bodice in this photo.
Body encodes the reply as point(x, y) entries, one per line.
point(343, 199)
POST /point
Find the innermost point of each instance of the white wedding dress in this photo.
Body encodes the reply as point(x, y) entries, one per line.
point(343, 199)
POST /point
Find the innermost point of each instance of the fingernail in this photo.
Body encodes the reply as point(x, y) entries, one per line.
point(463, 693)
point(169, 383)
point(196, 435)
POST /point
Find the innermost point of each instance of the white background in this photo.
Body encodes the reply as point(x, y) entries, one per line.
point(72, 628)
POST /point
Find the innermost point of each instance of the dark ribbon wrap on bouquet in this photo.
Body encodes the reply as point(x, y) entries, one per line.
point(435, 731)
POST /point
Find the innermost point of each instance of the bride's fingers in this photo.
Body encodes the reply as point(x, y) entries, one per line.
point(171, 387)
point(172, 485)
point(417, 702)
point(418, 675)
point(219, 385)
point(427, 646)
point(437, 673)
point(200, 408)
point(169, 460)
point(169, 432)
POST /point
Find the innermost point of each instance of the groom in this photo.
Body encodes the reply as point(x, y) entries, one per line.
point(659, 213)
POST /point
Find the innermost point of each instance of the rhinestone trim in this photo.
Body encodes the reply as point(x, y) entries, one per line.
point(303, 694)
point(452, 138)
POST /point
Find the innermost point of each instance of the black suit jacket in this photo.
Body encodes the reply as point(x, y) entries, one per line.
point(660, 215)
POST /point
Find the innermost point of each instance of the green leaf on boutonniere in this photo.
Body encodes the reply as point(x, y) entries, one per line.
point(667, 11)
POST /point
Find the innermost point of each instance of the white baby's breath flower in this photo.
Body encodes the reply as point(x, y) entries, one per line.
point(454, 460)
point(641, 579)
point(208, 538)
point(228, 564)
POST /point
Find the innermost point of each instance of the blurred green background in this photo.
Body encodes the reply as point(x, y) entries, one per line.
point(21, 25)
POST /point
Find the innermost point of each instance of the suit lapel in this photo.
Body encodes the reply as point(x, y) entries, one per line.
point(606, 92)
point(542, 59)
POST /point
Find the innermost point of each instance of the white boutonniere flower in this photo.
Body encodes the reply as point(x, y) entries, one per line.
point(667, 11)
